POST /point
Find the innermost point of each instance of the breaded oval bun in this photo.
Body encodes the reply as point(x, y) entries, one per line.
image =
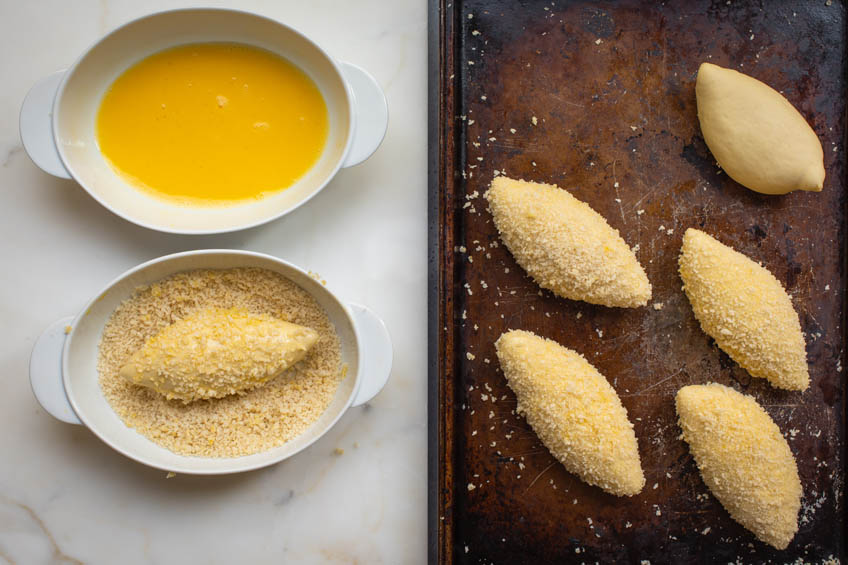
point(743, 459)
point(216, 352)
point(745, 309)
point(574, 411)
point(566, 246)
point(755, 134)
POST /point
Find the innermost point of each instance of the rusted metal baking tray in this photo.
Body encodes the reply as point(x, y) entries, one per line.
point(598, 97)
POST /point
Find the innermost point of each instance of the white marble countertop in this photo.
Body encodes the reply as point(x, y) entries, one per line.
point(66, 497)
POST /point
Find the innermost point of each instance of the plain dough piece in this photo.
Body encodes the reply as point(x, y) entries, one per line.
point(574, 411)
point(743, 459)
point(745, 309)
point(217, 352)
point(565, 245)
point(755, 134)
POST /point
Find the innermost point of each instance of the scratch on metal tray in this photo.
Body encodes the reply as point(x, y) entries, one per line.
point(564, 101)
point(545, 470)
point(656, 384)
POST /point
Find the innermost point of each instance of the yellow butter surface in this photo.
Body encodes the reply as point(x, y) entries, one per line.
point(212, 124)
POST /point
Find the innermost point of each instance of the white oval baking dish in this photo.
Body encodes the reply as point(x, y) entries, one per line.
point(58, 116)
point(65, 380)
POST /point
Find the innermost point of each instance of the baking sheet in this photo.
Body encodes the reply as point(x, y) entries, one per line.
point(599, 99)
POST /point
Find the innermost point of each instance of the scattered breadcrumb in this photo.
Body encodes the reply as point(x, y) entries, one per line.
point(236, 425)
point(68, 329)
point(658, 305)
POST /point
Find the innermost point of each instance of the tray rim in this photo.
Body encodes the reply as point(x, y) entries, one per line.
point(440, 14)
point(435, 28)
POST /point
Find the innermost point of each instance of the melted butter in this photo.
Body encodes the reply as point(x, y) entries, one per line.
point(212, 123)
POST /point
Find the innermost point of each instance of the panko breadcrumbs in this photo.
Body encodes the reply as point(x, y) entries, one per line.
point(745, 309)
point(216, 352)
point(565, 245)
point(743, 458)
point(236, 425)
point(574, 410)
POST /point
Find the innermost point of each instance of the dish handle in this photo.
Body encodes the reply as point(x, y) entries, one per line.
point(45, 372)
point(372, 113)
point(36, 125)
point(375, 353)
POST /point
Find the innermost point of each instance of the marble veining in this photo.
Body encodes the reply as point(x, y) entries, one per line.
point(23, 523)
point(11, 153)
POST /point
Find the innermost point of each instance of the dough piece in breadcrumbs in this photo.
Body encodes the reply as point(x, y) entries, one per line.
point(743, 459)
point(745, 309)
point(216, 352)
point(262, 418)
point(565, 245)
point(574, 411)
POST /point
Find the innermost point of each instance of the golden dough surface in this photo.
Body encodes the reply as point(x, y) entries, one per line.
point(743, 459)
point(755, 134)
point(566, 246)
point(574, 411)
point(745, 309)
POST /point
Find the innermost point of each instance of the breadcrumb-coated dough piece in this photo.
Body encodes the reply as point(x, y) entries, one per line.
point(574, 411)
point(743, 459)
point(565, 245)
point(216, 352)
point(755, 134)
point(745, 309)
